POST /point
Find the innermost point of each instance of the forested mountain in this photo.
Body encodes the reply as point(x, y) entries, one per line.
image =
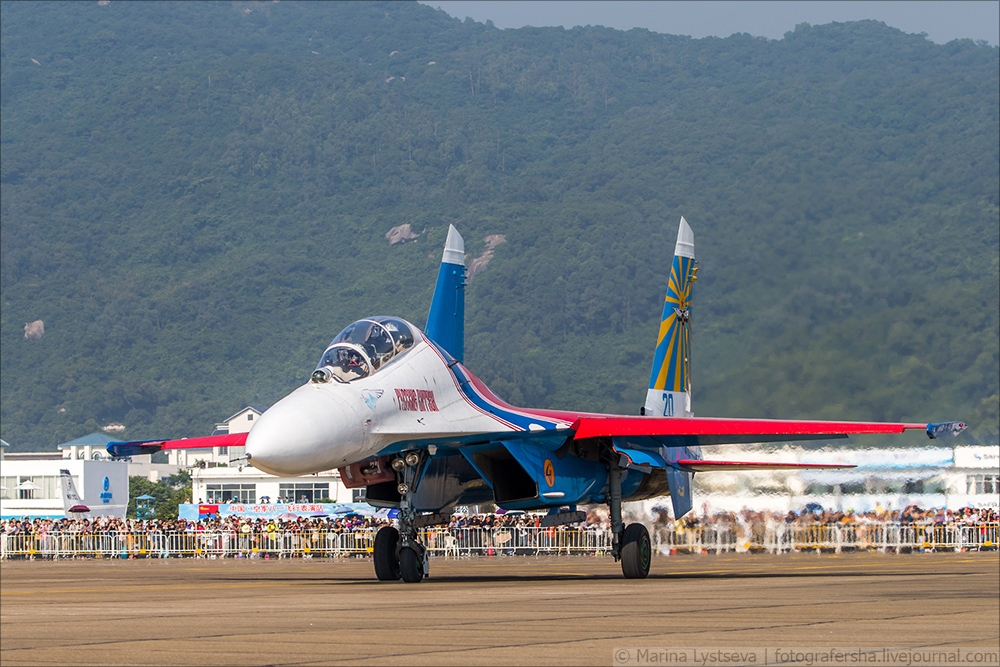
point(195, 198)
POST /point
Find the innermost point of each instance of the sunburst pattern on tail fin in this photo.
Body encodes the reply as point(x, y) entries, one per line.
point(669, 393)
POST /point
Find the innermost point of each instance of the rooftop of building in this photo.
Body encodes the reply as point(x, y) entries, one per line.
point(97, 438)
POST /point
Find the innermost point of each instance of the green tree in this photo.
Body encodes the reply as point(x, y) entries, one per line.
point(168, 494)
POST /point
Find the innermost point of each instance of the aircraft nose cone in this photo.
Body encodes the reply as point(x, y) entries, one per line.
point(304, 432)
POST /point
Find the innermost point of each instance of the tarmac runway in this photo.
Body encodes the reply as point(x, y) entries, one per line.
point(568, 610)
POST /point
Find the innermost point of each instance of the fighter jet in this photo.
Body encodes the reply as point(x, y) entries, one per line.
point(397, 412)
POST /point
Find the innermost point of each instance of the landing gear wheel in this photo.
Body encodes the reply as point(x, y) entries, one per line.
point(386, 562)
point(636, 551)
point(411, 565)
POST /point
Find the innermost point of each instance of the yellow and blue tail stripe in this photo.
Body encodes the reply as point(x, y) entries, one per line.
point(670, 365)
point(671, 372)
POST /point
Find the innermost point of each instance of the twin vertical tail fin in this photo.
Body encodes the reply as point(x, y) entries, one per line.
point(446, 321)
point(669, 393)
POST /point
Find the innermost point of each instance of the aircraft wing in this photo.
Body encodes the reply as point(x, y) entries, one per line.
point(141, 447)
point(689, 431)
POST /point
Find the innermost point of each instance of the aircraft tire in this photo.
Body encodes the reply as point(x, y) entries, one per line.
point(386, 561)
point(636, 551)
point(411, 566)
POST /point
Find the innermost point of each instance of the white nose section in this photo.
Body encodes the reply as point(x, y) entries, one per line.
point(303, 433)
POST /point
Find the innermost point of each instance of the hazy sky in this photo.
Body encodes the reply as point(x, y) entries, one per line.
point(942, 21)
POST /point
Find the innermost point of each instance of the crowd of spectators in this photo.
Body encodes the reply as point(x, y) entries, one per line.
point(597, 519)
point(234, 524)
point(820, 516)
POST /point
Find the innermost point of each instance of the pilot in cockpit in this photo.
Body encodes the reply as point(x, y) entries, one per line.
point(362, 348)
point(346, 363)
point(378, 344)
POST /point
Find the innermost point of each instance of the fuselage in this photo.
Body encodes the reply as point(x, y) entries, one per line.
point(420, 396)
point(359, 410)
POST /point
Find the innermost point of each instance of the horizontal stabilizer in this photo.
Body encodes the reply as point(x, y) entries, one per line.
point(709, 466)
point(142, 447)
point(945, 430)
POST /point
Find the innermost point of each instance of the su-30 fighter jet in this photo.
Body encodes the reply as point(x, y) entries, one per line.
point(395, 410)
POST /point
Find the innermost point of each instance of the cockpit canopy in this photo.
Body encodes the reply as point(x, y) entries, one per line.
point(364, 347)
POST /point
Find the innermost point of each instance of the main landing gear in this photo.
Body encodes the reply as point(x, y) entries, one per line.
point(631, 543)
point(635, 551)
point(398, 553)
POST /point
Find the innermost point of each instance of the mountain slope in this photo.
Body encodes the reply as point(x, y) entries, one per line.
point(195, 197)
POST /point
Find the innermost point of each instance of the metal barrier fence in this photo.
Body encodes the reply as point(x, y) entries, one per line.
point(464, 542)
point(777, 537)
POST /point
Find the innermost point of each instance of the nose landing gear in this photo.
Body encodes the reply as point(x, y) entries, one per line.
point(411, 562)
point(386, 559)
point(398, 553)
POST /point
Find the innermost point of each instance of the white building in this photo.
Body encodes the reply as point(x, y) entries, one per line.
point(94, 447)
point(90, 464)
point(974, 480)
point(29, 485)
point(220, 475)
point(247, 485)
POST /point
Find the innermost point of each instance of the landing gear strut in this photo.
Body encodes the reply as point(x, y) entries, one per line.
point(408, 558)
point(631, 543)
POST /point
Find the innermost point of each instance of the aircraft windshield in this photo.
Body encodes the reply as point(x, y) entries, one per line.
point(363, 348)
